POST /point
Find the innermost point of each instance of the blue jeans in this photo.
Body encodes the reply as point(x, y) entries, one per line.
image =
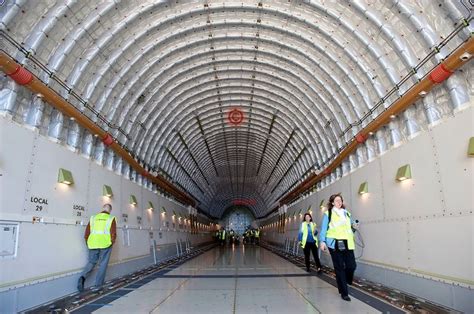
point(98, 255)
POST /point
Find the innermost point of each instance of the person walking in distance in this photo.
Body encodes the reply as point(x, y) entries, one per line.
point(309, 241)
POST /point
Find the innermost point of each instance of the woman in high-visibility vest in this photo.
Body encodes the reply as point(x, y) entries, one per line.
point(338, 236)
point(309, 241)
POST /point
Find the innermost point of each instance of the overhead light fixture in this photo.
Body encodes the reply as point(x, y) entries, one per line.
point(163, 210)
point(107, 191)
point(392, 116)
point(470, 149)
point(404, 173)
point(150, 206)
point(363, 188)
point(422, 93)
point(133, 200)
point(72, 118)
point(65, 177)
point(371, 133)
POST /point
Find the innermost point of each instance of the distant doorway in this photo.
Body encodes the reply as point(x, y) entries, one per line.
point(238, 218)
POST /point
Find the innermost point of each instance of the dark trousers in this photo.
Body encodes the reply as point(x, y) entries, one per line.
point(344, 265)
point(311, 246)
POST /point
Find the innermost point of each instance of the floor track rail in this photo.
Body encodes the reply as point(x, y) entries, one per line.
point(74, 302)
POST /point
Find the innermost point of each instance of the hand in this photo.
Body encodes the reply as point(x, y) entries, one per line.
point(323, 246)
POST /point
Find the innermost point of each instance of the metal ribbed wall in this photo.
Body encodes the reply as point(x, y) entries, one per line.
point(165, 75)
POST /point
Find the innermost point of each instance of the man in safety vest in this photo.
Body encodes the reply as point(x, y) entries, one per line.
point(100, 236)
point(246, 236)
point(257, 236)
point(231, 236)
point(252, 236)
point(222, 236)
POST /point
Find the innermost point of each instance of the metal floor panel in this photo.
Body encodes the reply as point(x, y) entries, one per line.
point(246, 279)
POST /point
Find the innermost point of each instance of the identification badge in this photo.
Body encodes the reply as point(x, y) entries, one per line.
point(340, 245)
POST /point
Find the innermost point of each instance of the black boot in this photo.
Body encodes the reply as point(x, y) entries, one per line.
point(80, 283)
point(345, 298)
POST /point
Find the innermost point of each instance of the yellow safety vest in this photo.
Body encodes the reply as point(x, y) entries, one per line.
point(304, 230)
point(223, 235)
point(339, 230)
point(99, 237)
point(257, 233)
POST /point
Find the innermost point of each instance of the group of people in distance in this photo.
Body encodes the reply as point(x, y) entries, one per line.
point(250, 236)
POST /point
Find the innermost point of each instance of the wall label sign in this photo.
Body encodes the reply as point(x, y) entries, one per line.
point(39, 200)
point(79, 207)
point(125, 218)
point(78, 210)
point(39, 203)
point(139, 220)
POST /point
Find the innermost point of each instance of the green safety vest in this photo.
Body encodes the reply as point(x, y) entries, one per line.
point(223, 235)
point(257, 233)
point(339, 230)
point(304, 230)
point(99, 237)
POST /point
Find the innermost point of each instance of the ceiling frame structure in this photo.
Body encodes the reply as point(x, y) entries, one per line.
point(161, 78)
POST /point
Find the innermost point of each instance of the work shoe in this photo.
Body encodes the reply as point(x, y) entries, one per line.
point(80, 283)
point(345, 298)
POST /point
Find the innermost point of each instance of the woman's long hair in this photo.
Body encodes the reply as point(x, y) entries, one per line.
point(307, 214)
point(331, 201)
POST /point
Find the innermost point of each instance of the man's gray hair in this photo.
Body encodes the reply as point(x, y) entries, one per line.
point(107, 207)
